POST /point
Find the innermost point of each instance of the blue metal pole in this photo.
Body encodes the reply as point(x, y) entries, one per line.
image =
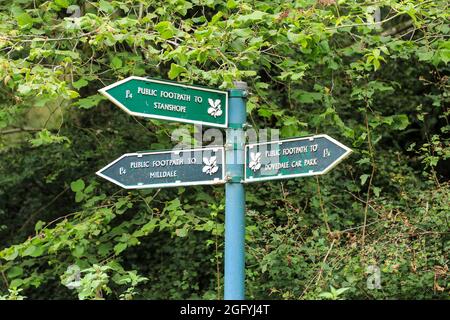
point(235, 196)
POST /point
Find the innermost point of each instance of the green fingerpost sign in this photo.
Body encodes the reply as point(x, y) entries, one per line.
point(165, 100)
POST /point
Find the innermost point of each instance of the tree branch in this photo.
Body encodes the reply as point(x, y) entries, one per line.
point(17, 130)
point(398, 28)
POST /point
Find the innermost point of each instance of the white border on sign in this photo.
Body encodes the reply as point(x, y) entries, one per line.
point(170, 184)
point(146, 115)
point(305, 174)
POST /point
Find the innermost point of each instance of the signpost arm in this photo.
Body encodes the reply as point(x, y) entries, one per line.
point(235, 196)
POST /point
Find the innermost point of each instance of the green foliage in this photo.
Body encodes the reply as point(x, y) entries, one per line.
point(333, 294)
point(14, 294)
point(315, 66)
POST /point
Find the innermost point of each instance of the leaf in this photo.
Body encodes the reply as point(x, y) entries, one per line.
point(45, 137)
point(376, 191)
point(116, 63)
point(80, 83)
point(293, 37)
point(425, 55)
point(72, 94)
point(24, 20)
point(401, 121)
point(231, 4)
point(77, 185)
point(79, 196)
point(248, 73)
point(252, 17)
point(89, 102)
point(264, 112)
point(333, 291)
point(309, 97)
point(175, 70)
point(118, 248)
point(165, 29)
point(362, 161)
point(216, 17)
point(341, 291)
point(149, 227)
point(38, 226)
point(33, 251)
point(16, 283)
point(78, 251)
point(181, 232)
point(12, 255)
point(376, 64)
point(444, 54)
point(104, 249)
point(38, 252)
point(15, 272)
point(63, 3)
point(326, 295)
point(364, 178)
point(24, 89)
point(106, 6)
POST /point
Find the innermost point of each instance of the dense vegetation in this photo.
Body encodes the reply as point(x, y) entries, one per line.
point(373, 75)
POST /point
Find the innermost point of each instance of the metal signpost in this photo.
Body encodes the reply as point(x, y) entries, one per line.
point(166, 100)
point(234, 164)
point(234, 275)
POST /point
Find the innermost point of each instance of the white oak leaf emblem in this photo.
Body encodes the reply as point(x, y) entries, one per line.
point(215, 108)
point(255, 161)
point(210, 166)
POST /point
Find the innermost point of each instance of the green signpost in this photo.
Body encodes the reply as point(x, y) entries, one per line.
point(234, 165)
point(166, 100)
